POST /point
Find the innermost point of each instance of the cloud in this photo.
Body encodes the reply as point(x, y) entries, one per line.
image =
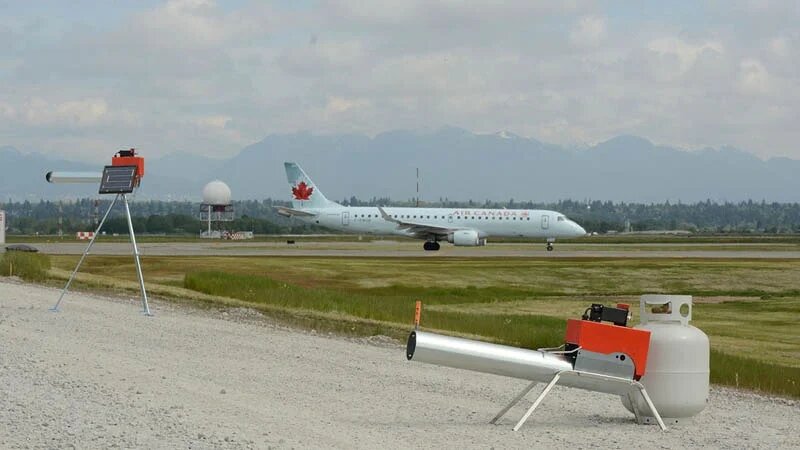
point(80, 113)
point(589, 31)
point(213, 77)
point(753, 77)
point(685, 54)
point(213, 121)
point(780, 47)
point(338, 105)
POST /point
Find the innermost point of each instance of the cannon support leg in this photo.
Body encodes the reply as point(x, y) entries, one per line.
point(652, 408)
point(538, 401)
point(635, 407)
point(513, 402)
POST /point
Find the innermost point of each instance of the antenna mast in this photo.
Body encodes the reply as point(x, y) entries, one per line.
point(417, 187)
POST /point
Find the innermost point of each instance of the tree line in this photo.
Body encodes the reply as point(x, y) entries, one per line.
point(260, 216)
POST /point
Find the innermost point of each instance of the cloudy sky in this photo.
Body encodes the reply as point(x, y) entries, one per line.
point(85, 78)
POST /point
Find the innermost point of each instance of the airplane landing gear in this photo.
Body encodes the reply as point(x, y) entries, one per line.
point(431, 246)
point(549, 247)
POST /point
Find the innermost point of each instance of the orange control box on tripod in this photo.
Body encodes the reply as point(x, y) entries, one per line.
point(129, 158)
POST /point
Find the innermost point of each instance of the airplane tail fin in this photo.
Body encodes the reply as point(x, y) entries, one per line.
point(305, 193)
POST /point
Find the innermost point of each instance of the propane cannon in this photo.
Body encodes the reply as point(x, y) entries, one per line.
point(121, 158)
point(122, 177)
point(600, 353)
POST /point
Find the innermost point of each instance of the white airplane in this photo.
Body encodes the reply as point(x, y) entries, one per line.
point(460, 226)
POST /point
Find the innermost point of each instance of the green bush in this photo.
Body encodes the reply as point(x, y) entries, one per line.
point(28, 266)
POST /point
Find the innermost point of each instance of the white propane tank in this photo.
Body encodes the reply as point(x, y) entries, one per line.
point(677, 372)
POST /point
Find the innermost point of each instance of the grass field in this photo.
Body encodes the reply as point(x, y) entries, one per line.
point(748, 308)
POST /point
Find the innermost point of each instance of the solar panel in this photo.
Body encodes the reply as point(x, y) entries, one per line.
point(118, 179)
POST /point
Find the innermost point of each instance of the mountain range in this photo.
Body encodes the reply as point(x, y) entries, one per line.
point(453, 163)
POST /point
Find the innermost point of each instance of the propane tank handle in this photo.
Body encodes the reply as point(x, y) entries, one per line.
point(674, 308)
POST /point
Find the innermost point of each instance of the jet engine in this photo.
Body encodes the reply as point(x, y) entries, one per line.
point(466, 238)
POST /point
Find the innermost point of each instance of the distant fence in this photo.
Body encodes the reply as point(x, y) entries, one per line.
point(239, 235)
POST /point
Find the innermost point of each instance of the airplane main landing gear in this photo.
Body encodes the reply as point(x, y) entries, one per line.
point(549, 247)
point(431, 246)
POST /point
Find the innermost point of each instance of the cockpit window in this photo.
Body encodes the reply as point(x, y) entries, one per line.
point(561, 218)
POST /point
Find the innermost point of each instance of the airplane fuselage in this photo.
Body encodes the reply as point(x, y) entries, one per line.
point(534, 223)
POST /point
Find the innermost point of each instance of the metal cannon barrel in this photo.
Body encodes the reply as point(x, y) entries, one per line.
point(484, 357)
point(73, 177)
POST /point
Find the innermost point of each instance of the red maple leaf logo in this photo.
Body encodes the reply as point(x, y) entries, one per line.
point(302, 191)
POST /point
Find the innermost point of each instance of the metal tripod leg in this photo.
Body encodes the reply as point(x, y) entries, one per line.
point(538, 401)
point(86, 252)
point(514, 402)
point(634, 407)
point(145, 306)
point(652, 408)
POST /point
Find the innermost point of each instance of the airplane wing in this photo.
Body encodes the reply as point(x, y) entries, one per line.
point(421, 230)
point(291, 212)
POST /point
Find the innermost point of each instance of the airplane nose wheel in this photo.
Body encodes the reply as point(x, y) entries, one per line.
point(549, 247)
point(431, 246)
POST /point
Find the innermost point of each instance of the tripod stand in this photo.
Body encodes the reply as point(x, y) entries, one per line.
point(145, 307)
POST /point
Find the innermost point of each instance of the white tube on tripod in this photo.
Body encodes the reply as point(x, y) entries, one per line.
point(73, 177)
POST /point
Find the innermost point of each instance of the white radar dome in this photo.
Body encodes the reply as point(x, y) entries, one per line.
point(217, 193)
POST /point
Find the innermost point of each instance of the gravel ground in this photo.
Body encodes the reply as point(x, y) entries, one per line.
point(99, 375)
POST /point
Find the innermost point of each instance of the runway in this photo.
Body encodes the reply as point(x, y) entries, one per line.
point(412, 249)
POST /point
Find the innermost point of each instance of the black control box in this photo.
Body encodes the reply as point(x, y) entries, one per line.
point(600, 313)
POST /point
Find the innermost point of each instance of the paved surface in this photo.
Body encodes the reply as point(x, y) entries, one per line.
point(100, 375)
point(414, 249)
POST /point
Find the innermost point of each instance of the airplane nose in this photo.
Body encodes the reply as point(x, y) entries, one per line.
point(579, 231)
